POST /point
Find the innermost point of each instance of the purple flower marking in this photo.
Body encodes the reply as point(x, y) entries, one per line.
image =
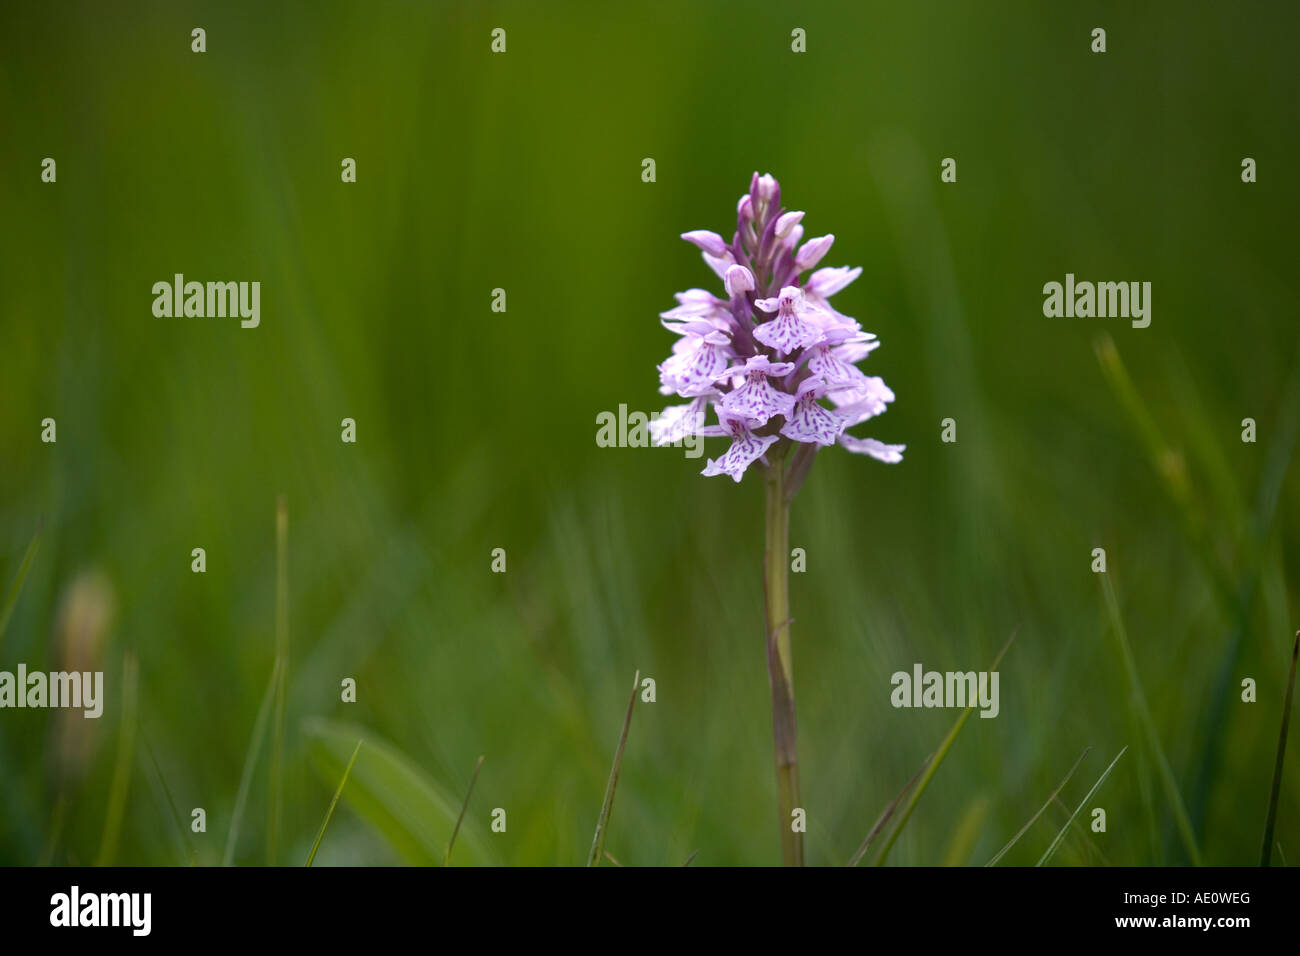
point(745, 448)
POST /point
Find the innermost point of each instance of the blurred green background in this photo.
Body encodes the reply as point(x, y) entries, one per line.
point(476, 430)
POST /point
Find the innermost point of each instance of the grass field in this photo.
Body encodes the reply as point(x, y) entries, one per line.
point(475, 430)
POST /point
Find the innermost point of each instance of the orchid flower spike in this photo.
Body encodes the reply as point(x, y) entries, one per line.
point(776, 363)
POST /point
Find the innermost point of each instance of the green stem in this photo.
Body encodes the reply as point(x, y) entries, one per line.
point(780, 664)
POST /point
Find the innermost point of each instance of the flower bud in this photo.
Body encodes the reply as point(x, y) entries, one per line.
point(811, 252)
point(786, 223)
point(710, 242)
point(738, 279)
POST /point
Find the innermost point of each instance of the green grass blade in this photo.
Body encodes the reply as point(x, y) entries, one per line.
point(463, 807)
point(413, 813)
point(250, 761)
point(1143, 712)
point(1236, 594)
point(1095, 856)
point(275, 795)
point(1275, 790)
point(58, 818)
point(934, 764)
point(961, 844)
point(1204, 442)
point(17, 587)
point(191, 858)
point(887, 813)
point(1168, 464)
point(1259, 527)
point(330, 812)
point(602, 823)
point(121, 784)
point(1032, 820)
point(925, 781)
point(1047, 855)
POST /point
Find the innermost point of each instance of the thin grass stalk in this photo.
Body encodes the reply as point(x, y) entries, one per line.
point(1041, 810)
point(933, 767)
point(347, 772)
point(1048, 853)
point(887, 813)
point(121, 783)
point(1265, 852)
point(607, 805)
point(1148, 724)
point(17, 588)
point(276, 794)
point(446, 860)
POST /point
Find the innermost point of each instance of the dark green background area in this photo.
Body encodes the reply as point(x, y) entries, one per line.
point(476, 430)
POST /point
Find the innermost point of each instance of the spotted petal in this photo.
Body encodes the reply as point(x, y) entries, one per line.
point(695, 365)
point(757, 401)
point(745, 449)
point(677, 422)
point(810, 421)
point(889, 454)
point(787, 332)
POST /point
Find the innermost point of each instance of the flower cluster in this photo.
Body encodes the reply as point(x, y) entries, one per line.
point(768, 356)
